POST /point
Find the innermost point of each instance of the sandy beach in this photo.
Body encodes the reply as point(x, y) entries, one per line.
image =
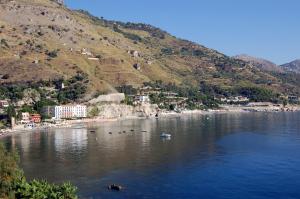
point(162, 114)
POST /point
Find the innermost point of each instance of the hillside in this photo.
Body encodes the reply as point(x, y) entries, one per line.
point(263, 64)
point(42, 40)
point(293, 66)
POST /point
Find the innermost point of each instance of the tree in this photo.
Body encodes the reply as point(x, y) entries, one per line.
point(10, 174)
point(53, 53)
point(38, 106)
point(285, 103)
point(94, 112)
point(11, 112)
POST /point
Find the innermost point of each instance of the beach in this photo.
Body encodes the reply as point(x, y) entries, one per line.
point(162, 114)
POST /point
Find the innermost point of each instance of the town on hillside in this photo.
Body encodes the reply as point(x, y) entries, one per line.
point(45, 107)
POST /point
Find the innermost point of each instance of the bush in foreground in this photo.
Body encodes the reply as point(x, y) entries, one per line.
point(13, 183)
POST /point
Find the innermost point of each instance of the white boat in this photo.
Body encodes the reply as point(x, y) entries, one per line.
point(165, 135)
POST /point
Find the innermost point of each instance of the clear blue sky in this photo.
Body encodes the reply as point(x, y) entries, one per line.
point(264, 28)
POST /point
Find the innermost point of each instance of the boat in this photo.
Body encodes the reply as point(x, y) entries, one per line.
point(165, 135)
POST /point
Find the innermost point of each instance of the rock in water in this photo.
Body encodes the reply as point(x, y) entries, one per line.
point(115, 187)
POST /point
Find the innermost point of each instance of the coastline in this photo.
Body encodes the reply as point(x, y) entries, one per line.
point(65, 125)
point(165, 114)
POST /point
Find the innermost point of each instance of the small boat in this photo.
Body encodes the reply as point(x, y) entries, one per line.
point(165, 135)
point(92, 131)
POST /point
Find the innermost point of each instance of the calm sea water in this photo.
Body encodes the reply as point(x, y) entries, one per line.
point(236, 156)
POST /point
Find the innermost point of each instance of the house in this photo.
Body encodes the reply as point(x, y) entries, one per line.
point(170, 94)
point(35, 118)
point(4, 104)
point(25, 118)
point(178, 103)
point(293, 99)
point(147, 90)
point(85, 51)
point(134, 53)
point(235, 100)
point(142, 99)
point(260, 104)
point(65, 112)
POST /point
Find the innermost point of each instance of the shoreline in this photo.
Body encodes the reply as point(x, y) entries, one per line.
point(169, 114)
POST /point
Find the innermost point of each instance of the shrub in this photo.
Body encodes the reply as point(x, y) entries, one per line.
point(6, 76)
point(257, 94)
point(167, 51)
point(10, 174)
point(94, 112)
point(52, 54)
point(13, 184)
point(127, 35)
point(4, 43)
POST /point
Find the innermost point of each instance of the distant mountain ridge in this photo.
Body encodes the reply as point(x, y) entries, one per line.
point(261, 63)
point(293, 66)
point(43, 40)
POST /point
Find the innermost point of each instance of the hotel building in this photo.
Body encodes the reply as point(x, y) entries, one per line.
point(65, 112)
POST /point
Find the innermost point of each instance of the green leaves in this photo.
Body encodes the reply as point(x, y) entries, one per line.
point(10, 174)
point(44, 190)
point(14, 185)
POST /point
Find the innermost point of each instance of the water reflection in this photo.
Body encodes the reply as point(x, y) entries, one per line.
point(75, 139)
point(86, 157)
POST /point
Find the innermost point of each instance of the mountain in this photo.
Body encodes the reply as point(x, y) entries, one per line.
point(263, 64)
point(42, 41)
point(293, 66)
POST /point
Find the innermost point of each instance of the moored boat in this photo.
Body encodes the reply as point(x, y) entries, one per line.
point(165, 135)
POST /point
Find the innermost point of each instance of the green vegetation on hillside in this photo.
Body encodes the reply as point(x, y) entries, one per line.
point(13, 183)
point(33, 96)
point(74, 89)
point(57, 49)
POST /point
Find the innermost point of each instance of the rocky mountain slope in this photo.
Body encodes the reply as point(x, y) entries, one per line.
point(44, 40)
point(263, 64)
point(293, 66)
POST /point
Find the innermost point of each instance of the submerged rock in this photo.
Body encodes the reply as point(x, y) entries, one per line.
point(115, 187)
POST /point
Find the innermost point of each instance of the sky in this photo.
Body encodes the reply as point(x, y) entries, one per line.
point(268, 29)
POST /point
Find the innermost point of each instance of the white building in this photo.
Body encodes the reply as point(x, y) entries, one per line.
point(25, 118)
point(4, 104)
point(142, 99)
point(236, 99)
point(66, 112)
